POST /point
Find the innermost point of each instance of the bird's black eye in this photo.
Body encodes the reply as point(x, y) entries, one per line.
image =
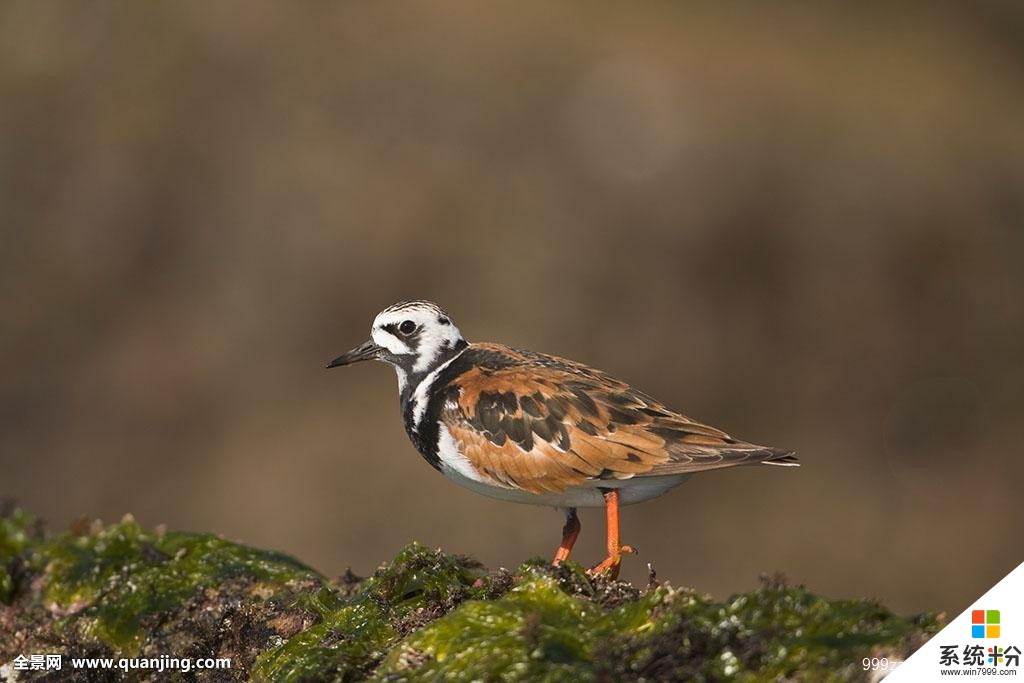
point(407, 327)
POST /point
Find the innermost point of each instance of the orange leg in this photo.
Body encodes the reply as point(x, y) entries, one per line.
point(610, 566)
point(569, 533)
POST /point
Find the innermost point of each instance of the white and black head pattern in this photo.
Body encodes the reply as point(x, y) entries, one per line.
point(415, 337)
point(420, 340)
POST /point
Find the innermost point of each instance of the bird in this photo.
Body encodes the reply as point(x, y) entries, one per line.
point(528, 427)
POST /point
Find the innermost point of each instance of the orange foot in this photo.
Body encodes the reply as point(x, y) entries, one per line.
point(610, 566)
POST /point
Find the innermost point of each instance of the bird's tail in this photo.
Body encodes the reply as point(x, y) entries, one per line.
point(780, 457)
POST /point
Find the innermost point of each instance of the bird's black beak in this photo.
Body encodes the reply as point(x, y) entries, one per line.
point(365, 351)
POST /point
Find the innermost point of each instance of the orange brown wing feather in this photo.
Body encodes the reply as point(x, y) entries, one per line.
point(544, 424)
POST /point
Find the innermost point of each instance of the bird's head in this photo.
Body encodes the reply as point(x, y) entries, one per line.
point(413, 336)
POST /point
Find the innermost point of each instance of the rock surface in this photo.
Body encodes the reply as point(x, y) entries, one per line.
point(118, 591)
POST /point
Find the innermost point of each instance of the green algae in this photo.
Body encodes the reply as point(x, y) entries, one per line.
point(417, 586)
point(106, 583)
point(423, 616)
point(539, 632)
point(161, 573)
point(18, 530)
point(535, 632)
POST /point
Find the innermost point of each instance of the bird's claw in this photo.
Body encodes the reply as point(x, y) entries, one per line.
point(610, 566)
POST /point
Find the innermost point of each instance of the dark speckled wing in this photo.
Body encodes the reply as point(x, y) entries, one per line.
point(544, 424)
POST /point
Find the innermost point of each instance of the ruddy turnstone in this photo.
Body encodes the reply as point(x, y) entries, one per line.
point(532, 428)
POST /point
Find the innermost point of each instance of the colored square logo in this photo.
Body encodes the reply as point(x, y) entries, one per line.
point(985, 623)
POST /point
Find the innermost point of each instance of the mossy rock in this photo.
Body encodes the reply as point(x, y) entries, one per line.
point(118, 591)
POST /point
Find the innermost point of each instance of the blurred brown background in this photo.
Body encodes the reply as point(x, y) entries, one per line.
point(804, 225)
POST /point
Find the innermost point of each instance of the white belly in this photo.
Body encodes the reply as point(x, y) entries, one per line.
point(631, 491)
